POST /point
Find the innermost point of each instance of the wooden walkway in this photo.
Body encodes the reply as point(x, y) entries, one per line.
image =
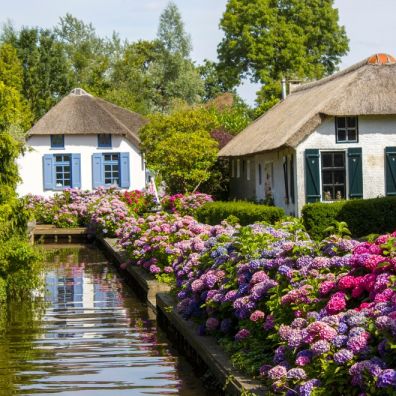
point(50, 233)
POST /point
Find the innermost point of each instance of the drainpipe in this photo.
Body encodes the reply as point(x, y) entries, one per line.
point(284, 93)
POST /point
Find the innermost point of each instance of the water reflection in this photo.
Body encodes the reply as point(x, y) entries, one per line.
point(90, 336)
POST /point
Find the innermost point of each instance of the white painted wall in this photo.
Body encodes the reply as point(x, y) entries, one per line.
point(31, 164)
point(375, 133)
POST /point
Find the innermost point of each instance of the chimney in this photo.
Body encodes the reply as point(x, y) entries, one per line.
point(284, 92)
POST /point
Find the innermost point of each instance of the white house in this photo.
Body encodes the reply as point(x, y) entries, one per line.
point(328, 140)
point(83, 142)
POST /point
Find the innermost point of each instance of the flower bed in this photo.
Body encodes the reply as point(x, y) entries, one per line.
point(306, 317)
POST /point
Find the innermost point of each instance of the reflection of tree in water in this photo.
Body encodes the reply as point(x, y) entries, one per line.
point(20, 325)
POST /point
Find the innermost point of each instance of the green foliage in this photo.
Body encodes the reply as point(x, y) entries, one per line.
point(339, 229)
point(362, 216)
point(9, 152)
point(246, 212)
point(180, 148)
point(267, 40)
point(171, 31)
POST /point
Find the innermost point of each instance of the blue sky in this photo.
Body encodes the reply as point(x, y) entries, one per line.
point(370, 24)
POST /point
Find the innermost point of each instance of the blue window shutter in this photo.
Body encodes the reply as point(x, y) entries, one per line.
point(48, 172)
point(76, 170)
point(124, 167)
point(355, 172)
point(312, 178)
point(97, 170)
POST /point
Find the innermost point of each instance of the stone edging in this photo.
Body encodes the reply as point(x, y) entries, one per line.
point(158, 296)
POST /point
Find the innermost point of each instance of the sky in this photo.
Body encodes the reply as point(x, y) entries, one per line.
point(369, 24)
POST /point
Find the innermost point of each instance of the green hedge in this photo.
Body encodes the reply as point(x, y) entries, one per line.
point(246, 212)
point(363, 216)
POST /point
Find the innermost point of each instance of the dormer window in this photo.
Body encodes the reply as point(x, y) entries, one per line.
point(57, 141)
point(104, 140)
point(346, 129)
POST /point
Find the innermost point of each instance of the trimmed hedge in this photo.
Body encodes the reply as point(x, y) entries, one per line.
point(363, 216)
point(246, 212)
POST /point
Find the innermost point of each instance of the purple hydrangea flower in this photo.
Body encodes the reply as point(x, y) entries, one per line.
point(343, 356)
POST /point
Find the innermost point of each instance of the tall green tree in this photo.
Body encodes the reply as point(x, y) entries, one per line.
point(14, 111)
point(174, 76)
point(46, 76)
point(267, 40)
point(171, 32)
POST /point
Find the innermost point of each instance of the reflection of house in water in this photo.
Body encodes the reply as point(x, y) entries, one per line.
point(76, 296)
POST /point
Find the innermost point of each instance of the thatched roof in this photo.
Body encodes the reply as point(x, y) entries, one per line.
point(367, 88)
point(80, 113)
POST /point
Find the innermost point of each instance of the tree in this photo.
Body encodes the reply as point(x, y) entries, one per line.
point(171, 32)
point(213, 81)
point(46, 76)
point(174, 75)
point(14, 111)
point(179, 147)
point(268, 40)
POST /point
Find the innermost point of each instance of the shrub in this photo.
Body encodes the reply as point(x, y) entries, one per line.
point(246, 212)
point(185, 204)
point(363, 216)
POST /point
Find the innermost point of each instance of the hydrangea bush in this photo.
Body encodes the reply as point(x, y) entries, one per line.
point(185, 204)
point(307, 318)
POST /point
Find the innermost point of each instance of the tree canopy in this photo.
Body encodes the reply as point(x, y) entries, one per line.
point(267, 40)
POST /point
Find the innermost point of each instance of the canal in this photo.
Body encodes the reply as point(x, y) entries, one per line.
point(89, 335)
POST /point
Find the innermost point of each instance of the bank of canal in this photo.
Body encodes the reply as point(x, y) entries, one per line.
point(91, 336)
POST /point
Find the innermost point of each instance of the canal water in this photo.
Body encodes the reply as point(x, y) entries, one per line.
point(90, 335)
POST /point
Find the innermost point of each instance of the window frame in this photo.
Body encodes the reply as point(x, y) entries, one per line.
point(55, 146)
point(63, 164)
point(345, 169)
point(104, 145)
point(346, 129)
point(112, 163)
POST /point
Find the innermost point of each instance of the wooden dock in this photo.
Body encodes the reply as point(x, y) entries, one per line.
point(50, 234)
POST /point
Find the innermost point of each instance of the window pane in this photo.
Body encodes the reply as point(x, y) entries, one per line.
point(351, 122)
point(341, 135)
point(339, 159)
point(107, 157)
point(341, 122)
point(67, 183)
point(339, 177)
point(327, 177)
point(352, 135)
point(327, 160)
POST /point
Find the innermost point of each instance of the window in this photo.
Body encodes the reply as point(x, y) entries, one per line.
point(333, 176)
point(346, 129)
point(61, 171)
point(248, 170)
point(104, 140)
point(57, 141)
point(238, 170)
point(232, 163)
point(260, 175)
point(110, 169)
point(111, 164)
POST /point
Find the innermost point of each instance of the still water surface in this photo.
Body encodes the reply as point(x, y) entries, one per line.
point(92, 336)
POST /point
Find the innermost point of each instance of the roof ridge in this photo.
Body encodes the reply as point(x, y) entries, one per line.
point(332, 77)
point(97, 102)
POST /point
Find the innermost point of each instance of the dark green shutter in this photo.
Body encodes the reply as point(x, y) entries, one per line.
point(312, 181)
point(292, 178)
point(355, 173)
point(390, 170)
